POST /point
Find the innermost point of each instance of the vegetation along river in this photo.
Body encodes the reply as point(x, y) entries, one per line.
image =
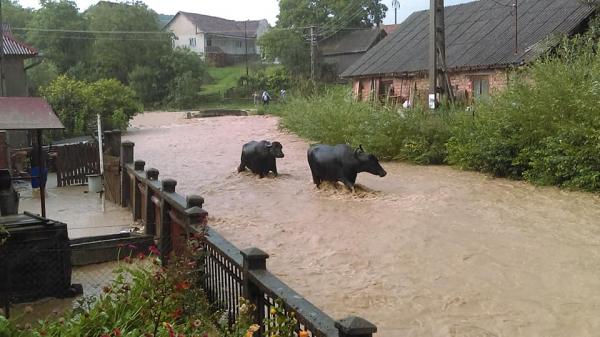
point(425, 251)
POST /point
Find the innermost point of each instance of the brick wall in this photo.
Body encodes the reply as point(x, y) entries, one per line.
point(462, 81)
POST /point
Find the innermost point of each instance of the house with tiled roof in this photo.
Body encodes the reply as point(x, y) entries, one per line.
point(15, 53)
point(342, 49)
point(219, 40)
point(483, 44)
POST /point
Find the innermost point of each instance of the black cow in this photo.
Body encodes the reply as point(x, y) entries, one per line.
point(341, 163)
point(259, 157)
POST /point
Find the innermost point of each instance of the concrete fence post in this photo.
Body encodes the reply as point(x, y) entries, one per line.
point(126, 158)
point(353, 326)
point(254, 259)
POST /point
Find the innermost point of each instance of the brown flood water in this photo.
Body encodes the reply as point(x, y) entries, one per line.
point(425, 251)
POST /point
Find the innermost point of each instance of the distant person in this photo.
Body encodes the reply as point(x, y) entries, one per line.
point(255, 97)
point(266, 98)
point(36, 171)
point(282, 95)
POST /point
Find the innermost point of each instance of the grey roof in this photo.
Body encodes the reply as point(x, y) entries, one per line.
point(219, 26)
point(351, 41)
point(479, 34)
point(27, 113)
point(12, 46)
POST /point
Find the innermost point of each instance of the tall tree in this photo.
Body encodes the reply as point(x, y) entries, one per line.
point(16, 16)
point(55, 30)
point(137, 39)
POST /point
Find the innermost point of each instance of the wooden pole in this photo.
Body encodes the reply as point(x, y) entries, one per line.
point(433, 64)
point(41, 168)
point(101, 159)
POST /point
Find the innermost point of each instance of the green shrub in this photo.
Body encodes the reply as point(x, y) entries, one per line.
point(335, 118)
point(77, 103)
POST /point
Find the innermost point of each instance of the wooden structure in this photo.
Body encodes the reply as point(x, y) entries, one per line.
point(229, 273)
point(35, 114)
point(75, 162)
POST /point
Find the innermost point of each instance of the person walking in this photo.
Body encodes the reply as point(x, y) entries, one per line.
point(266, 98)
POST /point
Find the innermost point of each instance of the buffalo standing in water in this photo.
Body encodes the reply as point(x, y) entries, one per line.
point(341, 163)
point(259, 157)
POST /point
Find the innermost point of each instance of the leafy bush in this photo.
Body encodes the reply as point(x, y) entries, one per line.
point(544, 127)
point(335, 118)
point(144, 299)
point(77, 103)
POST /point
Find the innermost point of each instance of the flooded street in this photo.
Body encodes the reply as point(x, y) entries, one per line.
point(425, 251)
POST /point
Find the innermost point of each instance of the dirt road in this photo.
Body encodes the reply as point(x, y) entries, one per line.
point(425, 251)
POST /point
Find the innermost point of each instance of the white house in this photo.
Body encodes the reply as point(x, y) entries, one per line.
point(220, 40)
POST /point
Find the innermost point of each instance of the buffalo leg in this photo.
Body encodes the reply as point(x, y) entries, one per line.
point(242, 166)
point(348, 184)
point(274, 167)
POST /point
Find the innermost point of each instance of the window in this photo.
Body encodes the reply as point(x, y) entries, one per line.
point(208, 41)
point(481, 86)
point(192, 42)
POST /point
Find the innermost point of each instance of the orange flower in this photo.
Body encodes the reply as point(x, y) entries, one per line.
point(177, 313)
point(183, 285)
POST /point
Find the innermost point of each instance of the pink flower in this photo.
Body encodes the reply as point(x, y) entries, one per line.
point(152, 249)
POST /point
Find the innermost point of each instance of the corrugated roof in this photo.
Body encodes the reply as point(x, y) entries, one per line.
point(479, 34)
point(27, 113)
point(12, 46)
point(351, 41)
point(215, 25)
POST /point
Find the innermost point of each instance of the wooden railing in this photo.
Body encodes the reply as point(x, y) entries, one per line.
point(230, 273)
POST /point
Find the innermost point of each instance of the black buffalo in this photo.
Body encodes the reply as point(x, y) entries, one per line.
point(341, 163)
point(259, 157)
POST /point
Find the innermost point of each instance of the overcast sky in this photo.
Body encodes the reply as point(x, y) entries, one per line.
point(248, 9)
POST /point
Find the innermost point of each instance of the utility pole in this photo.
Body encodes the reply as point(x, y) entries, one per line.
point(439, 82)
point(2, 86)
point(246, 44)
point(396, 5)
point(516, 27)
point(313, 41)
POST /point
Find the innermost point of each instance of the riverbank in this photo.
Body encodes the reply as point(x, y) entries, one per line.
point(427, 250)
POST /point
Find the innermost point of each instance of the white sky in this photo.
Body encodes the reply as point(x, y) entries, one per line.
point(248, 9)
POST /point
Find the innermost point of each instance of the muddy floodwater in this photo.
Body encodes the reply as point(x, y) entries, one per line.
point(425, 251)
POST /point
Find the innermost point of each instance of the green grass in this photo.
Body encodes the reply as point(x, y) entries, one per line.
point(227, 77)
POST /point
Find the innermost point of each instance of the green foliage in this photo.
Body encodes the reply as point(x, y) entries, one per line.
point(62, 49)
point(279, 322)
point(16, 16)
point(41, 75)
point(330, 13)
point(185, 91)
point(544, 127)
point(77, 103)
point(144, 299)
point(115, 56)
point(334, 118)
point(289, 47)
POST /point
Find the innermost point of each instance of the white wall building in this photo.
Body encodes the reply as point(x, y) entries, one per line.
point(217, 38)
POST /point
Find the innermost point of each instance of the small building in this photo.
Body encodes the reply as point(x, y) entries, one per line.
point(219, 40)
point(15, 52)
point(345, 47)
point(482, 47)
point(14, 82)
